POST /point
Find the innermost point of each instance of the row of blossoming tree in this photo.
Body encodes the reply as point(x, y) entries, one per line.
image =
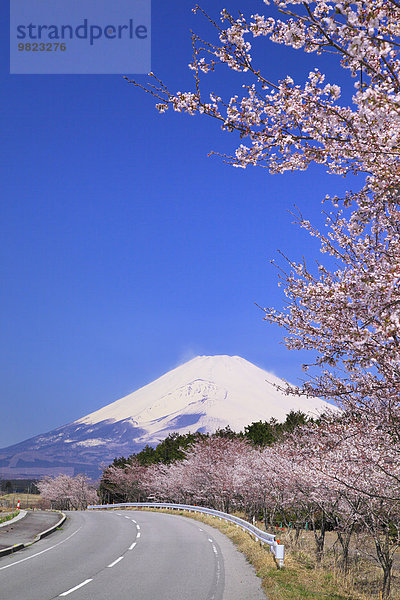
point(333, 475)
point(65, 492)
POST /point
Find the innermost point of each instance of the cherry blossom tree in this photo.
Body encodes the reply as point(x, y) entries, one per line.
point(290, 126)
point(264, 481)
point(210, 471)
point(253, 480)
point(68, 493)
point(314, 496)
point(167, 483)
point(349, 317)
point(124, 484)
point(355, 461)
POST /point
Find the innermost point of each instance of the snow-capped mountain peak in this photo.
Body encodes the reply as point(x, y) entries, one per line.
point(204, 394)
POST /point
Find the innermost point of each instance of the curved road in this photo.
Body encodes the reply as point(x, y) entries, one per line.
point(129, 555)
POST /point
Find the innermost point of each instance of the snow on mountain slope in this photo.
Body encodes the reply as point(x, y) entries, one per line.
point(220, 390)
point(204, 394)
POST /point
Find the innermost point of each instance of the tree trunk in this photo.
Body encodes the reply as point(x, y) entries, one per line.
point(319, 537)
point(386, 562)
point(344, 539)
point(268, 518)
point(298, 528)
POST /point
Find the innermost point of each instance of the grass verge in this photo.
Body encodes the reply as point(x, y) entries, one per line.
point(9, 517)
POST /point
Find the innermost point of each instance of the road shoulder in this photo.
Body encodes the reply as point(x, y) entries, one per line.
point(32, 527)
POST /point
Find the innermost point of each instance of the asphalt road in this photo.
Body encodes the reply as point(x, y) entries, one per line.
point(129, 555)
point(24, 530)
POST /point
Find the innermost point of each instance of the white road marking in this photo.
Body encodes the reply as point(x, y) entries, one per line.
point(200, 529)
point(218, 570)
point(17, 562)
point(127, 517)
point(138, 534)
point(115, 561)
point(76, 587)
point(138, 526)
point(131, 547)
point(218, 565)
point(133, 520)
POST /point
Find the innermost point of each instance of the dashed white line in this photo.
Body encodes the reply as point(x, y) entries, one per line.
point(115, 562)
point(213, 546)
point(131, 547)
point(138, 534)
point(138, 527)
point(133, 520)
point(17, 562)
point(76, 587)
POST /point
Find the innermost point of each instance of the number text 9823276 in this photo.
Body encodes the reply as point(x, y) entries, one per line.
point(42, 47)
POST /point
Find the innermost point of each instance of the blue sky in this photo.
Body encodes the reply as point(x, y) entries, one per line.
point(125, 250)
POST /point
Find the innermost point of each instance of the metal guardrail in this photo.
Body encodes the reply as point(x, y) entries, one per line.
point(262, 536)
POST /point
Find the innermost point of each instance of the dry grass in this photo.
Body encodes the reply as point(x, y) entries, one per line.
point(362, 582)
point(301, 578)
point(8, 501)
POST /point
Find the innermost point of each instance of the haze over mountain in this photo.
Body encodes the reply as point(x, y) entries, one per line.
point(204, 394)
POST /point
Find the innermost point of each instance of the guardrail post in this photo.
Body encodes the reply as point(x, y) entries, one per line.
point(279, 554)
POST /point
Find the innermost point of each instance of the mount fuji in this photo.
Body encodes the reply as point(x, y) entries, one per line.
point(204, 394)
